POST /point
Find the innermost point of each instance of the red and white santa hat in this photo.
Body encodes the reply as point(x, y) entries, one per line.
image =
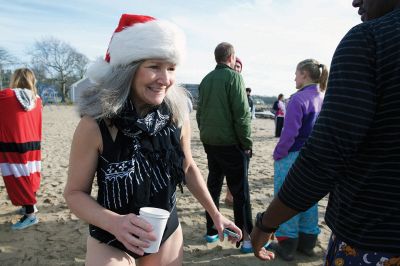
point(136, 38)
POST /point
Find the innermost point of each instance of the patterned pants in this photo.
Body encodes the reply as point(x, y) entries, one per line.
point(339, 253)
point(305, 222)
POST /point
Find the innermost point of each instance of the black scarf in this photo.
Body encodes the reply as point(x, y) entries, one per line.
point(129, 122)
point(149, 137)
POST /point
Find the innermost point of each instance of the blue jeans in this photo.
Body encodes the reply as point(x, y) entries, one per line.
point(305, 222)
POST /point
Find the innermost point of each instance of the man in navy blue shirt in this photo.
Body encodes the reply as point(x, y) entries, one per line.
point(353, 152)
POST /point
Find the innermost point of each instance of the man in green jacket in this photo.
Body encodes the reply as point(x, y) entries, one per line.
point(224, 121)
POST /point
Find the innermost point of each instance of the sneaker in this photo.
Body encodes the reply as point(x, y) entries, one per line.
point(246, 250)
point(246, 247)
point(22, 210)
point(211, 238)
point(25, 222)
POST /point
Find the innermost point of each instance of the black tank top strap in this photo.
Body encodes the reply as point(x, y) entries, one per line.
point(110, 147)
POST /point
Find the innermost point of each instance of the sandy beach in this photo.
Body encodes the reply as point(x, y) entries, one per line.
point(60, 237)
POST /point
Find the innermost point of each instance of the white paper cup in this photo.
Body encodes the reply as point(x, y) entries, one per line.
point(158, 219)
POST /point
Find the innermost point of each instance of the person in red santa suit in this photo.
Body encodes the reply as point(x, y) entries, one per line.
point(20, 141)
point(134, 136)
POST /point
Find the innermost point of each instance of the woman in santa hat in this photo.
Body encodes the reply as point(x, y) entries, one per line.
point(134, 136)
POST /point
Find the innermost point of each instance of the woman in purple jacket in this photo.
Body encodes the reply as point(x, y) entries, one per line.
point(301, 231)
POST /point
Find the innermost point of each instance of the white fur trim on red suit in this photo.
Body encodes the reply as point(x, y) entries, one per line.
point(20, 169)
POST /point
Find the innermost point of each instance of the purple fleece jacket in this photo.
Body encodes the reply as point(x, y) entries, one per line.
point(301, 113)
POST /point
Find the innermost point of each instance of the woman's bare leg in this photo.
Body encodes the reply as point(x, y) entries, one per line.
point(100, 254)
point(170, 253)
point(228, 197)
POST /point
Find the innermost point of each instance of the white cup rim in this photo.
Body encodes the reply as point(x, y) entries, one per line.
point(149, 211)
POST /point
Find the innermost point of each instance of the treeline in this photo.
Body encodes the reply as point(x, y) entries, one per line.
point(58, 65)
point(54, 62)
point(266, 100)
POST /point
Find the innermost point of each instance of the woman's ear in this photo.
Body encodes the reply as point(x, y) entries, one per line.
point(304, 74)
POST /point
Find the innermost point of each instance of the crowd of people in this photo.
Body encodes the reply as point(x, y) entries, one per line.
point(338, 135)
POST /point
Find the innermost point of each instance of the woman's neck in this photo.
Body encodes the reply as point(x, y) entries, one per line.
point(307, 84)
point(141, 108)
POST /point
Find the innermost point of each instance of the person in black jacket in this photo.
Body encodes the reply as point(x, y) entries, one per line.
point(251, 103)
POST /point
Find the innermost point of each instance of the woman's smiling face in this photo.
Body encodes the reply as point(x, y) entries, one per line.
point(151, 82)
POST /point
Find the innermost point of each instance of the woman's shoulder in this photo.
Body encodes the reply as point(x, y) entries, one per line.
point(303, 95)
point(88, 124)
point(6, 92)
point(88, 132)
point(88, 119)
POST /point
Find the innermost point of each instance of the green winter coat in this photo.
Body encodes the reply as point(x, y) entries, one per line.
point(223, 114)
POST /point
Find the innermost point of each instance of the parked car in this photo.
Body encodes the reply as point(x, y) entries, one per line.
point(265, 114)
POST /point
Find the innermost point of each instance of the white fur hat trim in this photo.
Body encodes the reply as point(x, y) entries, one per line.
point(153, 39)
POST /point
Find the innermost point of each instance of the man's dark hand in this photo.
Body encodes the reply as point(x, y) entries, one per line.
point(258, 241)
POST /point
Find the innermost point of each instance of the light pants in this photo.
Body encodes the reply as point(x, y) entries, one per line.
point(304, 222)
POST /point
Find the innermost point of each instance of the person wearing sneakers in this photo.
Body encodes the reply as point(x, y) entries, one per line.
point(301, 231)
point(20, 142)
point(223, 118)
point(134, 135)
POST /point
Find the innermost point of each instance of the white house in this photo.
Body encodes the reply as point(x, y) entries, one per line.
point(77, 88)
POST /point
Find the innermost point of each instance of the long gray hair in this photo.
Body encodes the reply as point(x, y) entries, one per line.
point(105, 100)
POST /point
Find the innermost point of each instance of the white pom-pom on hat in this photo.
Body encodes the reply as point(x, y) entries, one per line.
point(97, 71)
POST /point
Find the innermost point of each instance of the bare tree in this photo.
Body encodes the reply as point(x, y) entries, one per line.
point(80, 69)
point(61, 61)
point(6, 59)
point(40, 73)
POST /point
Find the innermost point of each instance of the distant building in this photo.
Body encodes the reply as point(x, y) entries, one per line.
point(48, 93)
point(78, 87)
point(193, 89)
point(5, 76)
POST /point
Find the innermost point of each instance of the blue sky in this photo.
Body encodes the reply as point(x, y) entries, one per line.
point(270, 36)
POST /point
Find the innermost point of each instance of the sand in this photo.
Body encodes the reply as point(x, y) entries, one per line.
point(60, 237)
